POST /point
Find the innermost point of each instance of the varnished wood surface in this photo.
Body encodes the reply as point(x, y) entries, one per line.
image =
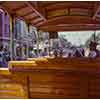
point(4, 71)
point(56, 16)
point(12, 86)
point(59, 64)
point(52, 78)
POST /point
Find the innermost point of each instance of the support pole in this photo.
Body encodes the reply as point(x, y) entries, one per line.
point(49, 44)
point(37, 43)
point(28, 26)
point(12, 20)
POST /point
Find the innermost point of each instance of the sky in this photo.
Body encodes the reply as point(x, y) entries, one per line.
point(77, 37)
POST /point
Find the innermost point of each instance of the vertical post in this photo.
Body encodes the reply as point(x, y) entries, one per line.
point(49, 44)
point(12, 36)
point(3, 28)
point(37, 43)
point(94, 36)
point(27, 41)
point(27, 50)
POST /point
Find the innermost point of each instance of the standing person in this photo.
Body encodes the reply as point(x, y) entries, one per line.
point(6, 55)
point(18, 55)
point(1, 57)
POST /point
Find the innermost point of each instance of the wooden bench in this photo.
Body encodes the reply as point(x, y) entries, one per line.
point(57, 78)
point(12, 86)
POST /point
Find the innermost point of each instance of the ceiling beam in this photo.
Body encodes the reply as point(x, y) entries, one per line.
point(70, 28)
point(2, 2)
point(36, 20)
point(33, 18)
point(71, 4)
point(19, 8)
point(37, 11)
point(27, 14)
point(69, 20)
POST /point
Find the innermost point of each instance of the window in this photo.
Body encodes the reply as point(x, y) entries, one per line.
point(76, 43)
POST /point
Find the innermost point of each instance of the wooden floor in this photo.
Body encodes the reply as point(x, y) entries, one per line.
point(51, 78)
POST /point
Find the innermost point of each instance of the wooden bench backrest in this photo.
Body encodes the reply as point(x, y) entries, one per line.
point(12, 86)
point(61, 78)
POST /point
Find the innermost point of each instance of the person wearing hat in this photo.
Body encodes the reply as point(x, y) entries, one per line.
point(93, 51)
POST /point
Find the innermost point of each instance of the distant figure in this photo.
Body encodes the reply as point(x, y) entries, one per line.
point(1, 56)
point(55, 53)
point(86, 52)
point(32, 54)
point(18, 53)
point(6, 55)
point(3, 60)
point(60, 52)
point(93, 51)
point(79, 52)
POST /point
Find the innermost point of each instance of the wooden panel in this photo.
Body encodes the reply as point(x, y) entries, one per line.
point(30, 16)
point(68, 4)
point(78, 11)
point(4, 71)
point(94, 86)
point(55, 13)
point(24, 11)
point(57, 78)
point(11, 86)
point(13, 5)
point(49, 85)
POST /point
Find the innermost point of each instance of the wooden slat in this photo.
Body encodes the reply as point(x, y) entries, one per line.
point(11, 86)
point(80, 78)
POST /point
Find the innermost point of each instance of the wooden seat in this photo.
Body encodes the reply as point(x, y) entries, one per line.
point(52, 78)
point(12, 86)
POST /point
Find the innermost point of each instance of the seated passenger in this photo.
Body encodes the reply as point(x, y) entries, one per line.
point(55, 53)
point(44, 53)
point(78, 52)
point(93, 51)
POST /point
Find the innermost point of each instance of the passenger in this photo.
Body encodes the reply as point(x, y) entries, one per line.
point(98, 48)
point(2, 61)
point(55, 53)
point(18, 55)
point(6, 54)
point(79, 52)
point(65, 53)
point(93, 51)
point(1, 56)
point(86, 52)
point(61, 53)
point(32, 54)
point(44, 53)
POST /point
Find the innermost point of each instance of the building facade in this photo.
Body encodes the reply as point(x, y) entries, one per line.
point(4, 29)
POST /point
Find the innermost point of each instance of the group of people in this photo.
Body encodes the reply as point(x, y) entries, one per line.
point(4, 56)
point(91, 51)
point(40, 53)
